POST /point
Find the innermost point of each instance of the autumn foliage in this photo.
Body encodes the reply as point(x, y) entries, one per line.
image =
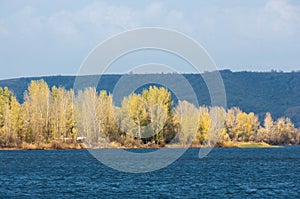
point(57, 117)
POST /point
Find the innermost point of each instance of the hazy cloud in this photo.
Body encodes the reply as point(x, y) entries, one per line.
point(235, 34)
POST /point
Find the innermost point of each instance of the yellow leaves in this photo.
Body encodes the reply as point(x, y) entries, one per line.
point(246, 126)
point(140, 106)
point(159, 96)
point(38, 89)
point(61, 113)
point(188, 116)
point(284, 132)
point(46, 115)
point(137, 109)
point(38, 100)
point(9, 118)
point(203, 125)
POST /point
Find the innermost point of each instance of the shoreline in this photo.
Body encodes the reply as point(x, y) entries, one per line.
point(82, 146)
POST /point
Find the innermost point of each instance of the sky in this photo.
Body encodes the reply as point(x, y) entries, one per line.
point(54, 37)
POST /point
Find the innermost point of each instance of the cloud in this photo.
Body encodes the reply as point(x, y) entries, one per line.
point(233, 33)
point(97, 17)
point(98, 20)
point(282, 17)
point(59, 37)
point(284, 10)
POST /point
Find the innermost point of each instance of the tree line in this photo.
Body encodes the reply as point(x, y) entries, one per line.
point(58, 115)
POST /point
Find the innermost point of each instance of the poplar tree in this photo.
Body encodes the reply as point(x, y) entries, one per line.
point(158, 106)
point(38, 101)
point(88, 125)
point(188, 116)
point(264, 132)
point(62, 120)
point(203, 125)
point(138, 112)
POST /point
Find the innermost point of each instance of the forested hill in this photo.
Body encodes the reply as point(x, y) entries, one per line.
point(259, 92)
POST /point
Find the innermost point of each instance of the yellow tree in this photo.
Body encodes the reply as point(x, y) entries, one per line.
point(9, 118)
point(138, 112)
point(62, 120)
point(88, 126)
point(158, 106)
point(58, 112)
point(6, 137)
point(203, 125)
point(105, 116)
point(284, 132)
point(37, 100)
point(125, 122)
point(243, 126)
point(5, 117)
point(264, 133)
point(71, 114)
point(5, 98)
point(16, 120)
point(254, 123)
point(217, 133)
point(188, 116)
point(231, 123)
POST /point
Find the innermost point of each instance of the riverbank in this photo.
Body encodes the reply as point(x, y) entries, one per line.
point(50, 146)
point(78, 146)
point(230, 145)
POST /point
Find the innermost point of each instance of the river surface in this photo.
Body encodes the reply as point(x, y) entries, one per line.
point(224, 173)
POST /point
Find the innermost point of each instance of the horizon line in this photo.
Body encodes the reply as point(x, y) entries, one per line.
point(154, 73)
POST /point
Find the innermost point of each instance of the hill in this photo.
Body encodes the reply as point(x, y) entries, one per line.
point(258, 92)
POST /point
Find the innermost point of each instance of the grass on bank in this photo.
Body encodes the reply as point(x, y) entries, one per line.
point(255, 145)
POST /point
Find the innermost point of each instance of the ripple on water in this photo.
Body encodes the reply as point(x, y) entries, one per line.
point(233, 173)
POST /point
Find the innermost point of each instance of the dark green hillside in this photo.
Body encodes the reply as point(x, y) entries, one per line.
point(20, 85)
point(260, 92)
point(278, 93)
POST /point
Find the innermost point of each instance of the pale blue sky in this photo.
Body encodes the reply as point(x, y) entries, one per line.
point(53, 37)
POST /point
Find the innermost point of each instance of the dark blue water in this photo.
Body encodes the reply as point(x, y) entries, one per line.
point(224, 173)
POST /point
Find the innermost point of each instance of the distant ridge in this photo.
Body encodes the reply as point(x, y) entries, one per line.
point(258, 92)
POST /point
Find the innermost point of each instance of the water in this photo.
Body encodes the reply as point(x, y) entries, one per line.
point(224, 173)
